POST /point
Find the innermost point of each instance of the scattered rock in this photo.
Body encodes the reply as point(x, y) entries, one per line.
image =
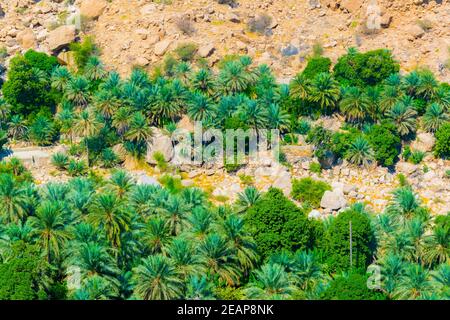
point(424, 142)
point(92, 8)
point(315, 214)
point(159, 143)
point(162, 46)
point(206, 50)
point(415, 32)
point(27, 39)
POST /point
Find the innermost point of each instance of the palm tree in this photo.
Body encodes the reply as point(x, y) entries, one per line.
point(96, 288)
point(157, 235)
point(17, 128)
point(403, 204)
point(360, 153)
point(443, 98)
point(324, 91)
point(66, 120)
point(86, 126)
point(307, 270)
point(411, 83)
point(77, 91)
point(175, 211)
point(272, 283)
point(204, 82)
point(106, 103)
point(49, 225)
point(199, 288)
point(5, 110)
point(94, 69)
point(413, 283)
point(389, 98)
point(218, 259)
point(61, 76)
point(121, 183)
point(93, 259)
point(436, 246)
point(200, 107)
point(441, 279)
point(354, 104)
point(200, 220)
point(247, 198)
point(240, 241)
point(163, 105)
point(233, 78)
point(139, 129)
point(108, 213)
point(182, 252)
point(121, 120)
point(434, 117)
point(392, 268)
point(13, 199)
point(253, 114)
point(157, 279)
point(416, 229)
point(374, 103)
point(404, 117)
point(427, 86)
point(277, 118)
point(300, 87)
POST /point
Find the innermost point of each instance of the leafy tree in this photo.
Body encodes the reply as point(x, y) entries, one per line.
point(276, 224)
point(362, 69)
point(337, 241)
point(28, 87)
point(385, 143)
point(442, 146)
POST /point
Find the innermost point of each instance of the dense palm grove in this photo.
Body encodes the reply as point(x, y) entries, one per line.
point(97, 238)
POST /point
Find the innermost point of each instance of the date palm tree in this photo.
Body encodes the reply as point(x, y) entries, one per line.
point(414, 283)
point(175, 211)
point(300, 87)
point(403, 205)
point(427, 86)
point(253, 114)
point(182, 252)
point(306, 269)
point(247, 198)
point(360, 153)
point(392, 268)
point(354, 105)
point(240, 241)
point(94, 69)
point(218, 259)
point(233, 78)
point(324, 91)
point(437, 246)
point(121, 120)
point(272, 282)
point(411, 83)
point(443, 98)
point(203, 81)
point(201, 220)
point(87, 125)
point(139, 129)
point(77, 91)
point(60, 78)
point(200, 107)
point(157, 235)
point(108, 213)
point(17, 128)
point(106, 103)
point(277, 118)
point(434, 117)
point(49, 226)
point(157, 279)
point(404, 117)
point(13, 199)
point(164, 106)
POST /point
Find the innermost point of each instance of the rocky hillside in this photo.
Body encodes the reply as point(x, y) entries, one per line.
point(140, 32)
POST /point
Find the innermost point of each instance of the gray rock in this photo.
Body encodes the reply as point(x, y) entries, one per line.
point(333, 200)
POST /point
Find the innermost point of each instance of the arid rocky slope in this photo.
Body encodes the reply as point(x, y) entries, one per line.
point(140, 32)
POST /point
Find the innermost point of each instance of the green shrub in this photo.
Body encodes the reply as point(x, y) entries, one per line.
point(386, 143)
point(276, 223)
point(76, 168)
point(83, 51)
point(247, 180)
point(309, 190)
point(351, 287)
point(417, 156)
point(362, 69)
point(161, 161)
point(186, 51)
point(315, 66)
point(42, 131)
point(315, 167)
point(442, 146)
point(303, 127)
point(60, 160)
point(109, 158)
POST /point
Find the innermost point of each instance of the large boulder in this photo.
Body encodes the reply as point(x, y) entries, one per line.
point(162, 46)
point(406, 168)
point(351, 5)
point(206, 50)
point(333, 200)
point(61, 37)
point(283, 182)
point(93, 8)
point(424, 142)
point(159, 143)
point(26, 39)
